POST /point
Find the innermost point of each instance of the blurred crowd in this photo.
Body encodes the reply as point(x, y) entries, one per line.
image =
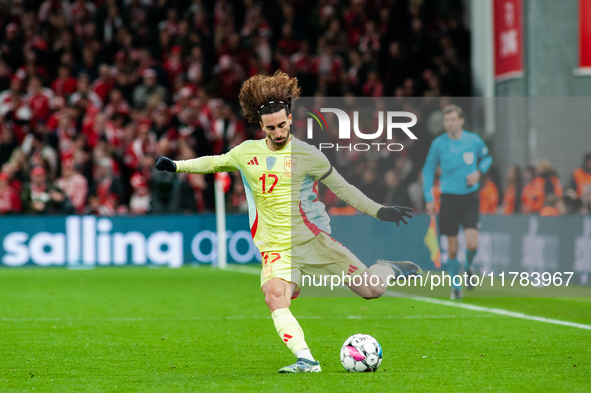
point(92, 92)
point(537, 190)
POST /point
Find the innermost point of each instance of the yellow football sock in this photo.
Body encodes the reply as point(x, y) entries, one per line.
point(289, 329)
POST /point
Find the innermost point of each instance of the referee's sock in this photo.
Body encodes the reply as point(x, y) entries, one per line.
point(469, 258)
point(453, 268)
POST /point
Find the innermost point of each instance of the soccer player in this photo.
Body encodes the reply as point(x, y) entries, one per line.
point(288, 223)
point(463, 158)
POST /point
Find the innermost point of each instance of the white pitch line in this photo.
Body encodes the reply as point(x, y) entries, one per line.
point(498, 311)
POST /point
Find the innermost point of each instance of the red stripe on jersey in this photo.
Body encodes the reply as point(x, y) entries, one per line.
point(315, 230)
point(255, 224)
point(256, 161)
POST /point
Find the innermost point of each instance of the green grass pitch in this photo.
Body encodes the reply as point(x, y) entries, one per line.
point(163, 330)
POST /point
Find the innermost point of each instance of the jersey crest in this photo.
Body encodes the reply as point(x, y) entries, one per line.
point(290, 164)
point(271, 162)
point(469, 157)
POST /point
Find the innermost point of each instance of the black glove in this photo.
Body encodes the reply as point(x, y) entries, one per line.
point(394, 214)
point(165, 164)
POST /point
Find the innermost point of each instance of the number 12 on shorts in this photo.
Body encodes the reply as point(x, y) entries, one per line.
point(274, 257)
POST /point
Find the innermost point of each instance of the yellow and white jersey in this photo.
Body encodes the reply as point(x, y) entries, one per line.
point(281, 189)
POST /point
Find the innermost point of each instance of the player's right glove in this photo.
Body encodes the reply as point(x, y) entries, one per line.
point(394, 214)
point(165, 164)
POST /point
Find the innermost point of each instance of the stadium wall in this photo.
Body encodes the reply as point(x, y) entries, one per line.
point(507, 243)
point(551, 53)
point(524, 131)
point(551, 70)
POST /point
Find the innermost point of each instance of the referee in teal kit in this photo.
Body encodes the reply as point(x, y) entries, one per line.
point(463, 158)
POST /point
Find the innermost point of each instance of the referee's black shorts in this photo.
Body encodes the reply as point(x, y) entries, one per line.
point(459, 209)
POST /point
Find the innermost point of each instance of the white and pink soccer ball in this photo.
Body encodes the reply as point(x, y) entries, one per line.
point(361, 353)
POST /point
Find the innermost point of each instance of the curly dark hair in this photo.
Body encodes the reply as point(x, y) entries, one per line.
point(262, 95)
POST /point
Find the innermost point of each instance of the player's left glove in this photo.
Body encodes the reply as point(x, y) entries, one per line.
point(394, 214)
